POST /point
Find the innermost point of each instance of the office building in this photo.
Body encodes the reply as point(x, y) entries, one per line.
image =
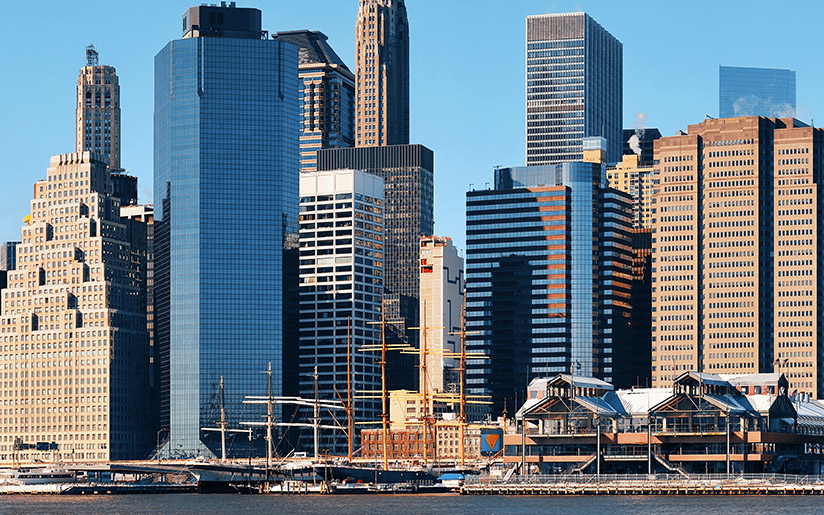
point(737, 282)
point(327, 96)
point(755, 92)
point(75, 352)
point(226, 169)
point(140, 220)
point(548, 278)
point(407, 172)
point(637, 180)
point(441, 302)
point(98, 109)
point(341, 286)
point(640, 142)
point(574, 88)
point(8, 255)
point(382, 74)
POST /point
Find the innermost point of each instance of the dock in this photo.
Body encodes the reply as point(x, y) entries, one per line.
point(656, 484)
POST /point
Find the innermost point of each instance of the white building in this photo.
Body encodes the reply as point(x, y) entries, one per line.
point(341, 284)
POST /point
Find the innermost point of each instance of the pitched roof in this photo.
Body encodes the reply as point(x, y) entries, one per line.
point(312, 47)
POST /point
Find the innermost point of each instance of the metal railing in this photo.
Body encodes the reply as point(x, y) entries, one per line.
point(647, 479)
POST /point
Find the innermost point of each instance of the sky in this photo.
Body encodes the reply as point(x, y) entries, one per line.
point(467, 74)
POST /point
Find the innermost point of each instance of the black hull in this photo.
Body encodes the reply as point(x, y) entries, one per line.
point(355, 474)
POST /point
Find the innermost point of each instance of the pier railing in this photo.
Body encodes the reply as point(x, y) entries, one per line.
point(583, 479)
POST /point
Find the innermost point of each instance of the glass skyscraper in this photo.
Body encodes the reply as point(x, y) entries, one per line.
point(574, 87)
point(756, 92)
point(226, 183)
point(547, 278)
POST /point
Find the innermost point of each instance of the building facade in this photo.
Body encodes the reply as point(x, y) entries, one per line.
point(548, 278)
point(637, 180)
point(407, 172)
point(737, 277)
point(327, 96)
point(226, 230)
point(382, 74)
point(341, 276)
point(574, 88)
point(75, 352)
point(441, 304)
point(755, 92)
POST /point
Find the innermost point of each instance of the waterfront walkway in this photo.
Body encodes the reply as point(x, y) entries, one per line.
point(655, 484)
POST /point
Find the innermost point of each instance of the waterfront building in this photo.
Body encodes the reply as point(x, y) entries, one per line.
point(382, 73)
point(327, 96)
point(441, 302)
point(75, 352)
point(637, 180)
point(755, 92)
point(8, 255)
point(407, 172)
point(702, 423)
point(548, 278)
point(341, 287)
point(574, 87)
point(736, 279)
point(443, 443)
point(226, 173)
point(643, 145)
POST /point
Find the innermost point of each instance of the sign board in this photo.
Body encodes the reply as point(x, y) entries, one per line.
point(492, 441)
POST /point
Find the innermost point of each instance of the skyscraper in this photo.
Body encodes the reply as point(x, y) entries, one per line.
point(327, 96)
point(98, 109)
point(642, 144)
point(442, 293)
point(407, 172)
point(755, 92)
point(382, 74)
point(341, 272)
point(97, 128)
point(548, 278)
point(638, 181)
point(75, 354)
point(226, 178)
point(574, 87)
point(737, 278)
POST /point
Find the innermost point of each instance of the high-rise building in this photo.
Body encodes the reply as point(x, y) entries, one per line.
point(548, 279)
point(640, 142)
point(407, 172)
point(75, 353)
point(327, 96)
point(8, 255)
point(226, 173)
point(97, 128)
point(755, 92)
point(341, 275)
point(98, 109)
point(140, 220)
point(737, 276)
point(441, 302)
point(638, 181)
point(382, 74)
point(574, 88)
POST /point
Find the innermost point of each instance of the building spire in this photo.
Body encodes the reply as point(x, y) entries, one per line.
point(91, 56)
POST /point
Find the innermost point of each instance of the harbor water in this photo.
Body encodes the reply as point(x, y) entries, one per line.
point(201, 504)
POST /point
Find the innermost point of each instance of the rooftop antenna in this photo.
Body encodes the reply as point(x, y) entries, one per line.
point(91, 56)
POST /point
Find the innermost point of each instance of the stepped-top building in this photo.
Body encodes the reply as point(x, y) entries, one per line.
point(74, 359)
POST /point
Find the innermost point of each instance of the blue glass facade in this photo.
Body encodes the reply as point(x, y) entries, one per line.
point(756, 92)
point(226, 178)
point(548, 277)
point(574, 88)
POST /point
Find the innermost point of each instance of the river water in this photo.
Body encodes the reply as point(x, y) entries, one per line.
point(202, 504)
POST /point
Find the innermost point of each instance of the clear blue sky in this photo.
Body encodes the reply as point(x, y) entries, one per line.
point(467, 74)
